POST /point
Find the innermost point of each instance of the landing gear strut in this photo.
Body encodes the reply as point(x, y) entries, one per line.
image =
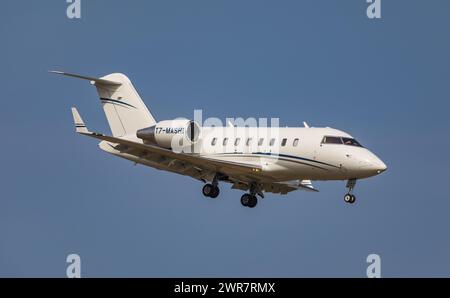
point(349, 197)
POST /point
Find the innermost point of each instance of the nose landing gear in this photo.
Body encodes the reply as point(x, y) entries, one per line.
point(349, 197)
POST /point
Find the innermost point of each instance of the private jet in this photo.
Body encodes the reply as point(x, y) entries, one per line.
point(256, 160)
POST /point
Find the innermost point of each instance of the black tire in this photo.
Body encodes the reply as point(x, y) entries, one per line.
point(253, 202)
point(215, 193)
point(207, 190)
point(353, 200)
point(245, 199)
point(348, 198)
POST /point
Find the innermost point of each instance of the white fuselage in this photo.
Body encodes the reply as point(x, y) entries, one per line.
point(295, 153)
point(302, 155)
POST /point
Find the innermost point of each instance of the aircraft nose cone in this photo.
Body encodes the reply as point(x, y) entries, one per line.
point(380, 167)
point(376, 164)
point(372, 164)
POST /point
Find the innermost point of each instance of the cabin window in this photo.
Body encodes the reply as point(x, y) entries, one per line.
point(272, 142)
point(225, 141)
point(213, 142)
point(261, 141)
point(249, 142)
point(332, 140)
point(351, 142)
point(236, 142)
point(295, 143)
point(283, 142)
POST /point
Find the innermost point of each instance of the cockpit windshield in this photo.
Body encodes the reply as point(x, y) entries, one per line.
point(351, 142)
point(340, 140)
point(332, 140)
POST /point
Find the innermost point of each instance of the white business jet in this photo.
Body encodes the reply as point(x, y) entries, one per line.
point(253, 159)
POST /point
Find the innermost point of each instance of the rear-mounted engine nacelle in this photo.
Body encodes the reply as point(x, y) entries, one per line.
point(171, 133)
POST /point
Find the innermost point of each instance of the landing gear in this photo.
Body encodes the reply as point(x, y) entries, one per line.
point(349, 197)
point(248, 200)
point(211, 191)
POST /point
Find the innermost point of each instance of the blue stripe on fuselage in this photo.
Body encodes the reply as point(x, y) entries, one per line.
point(285, 156)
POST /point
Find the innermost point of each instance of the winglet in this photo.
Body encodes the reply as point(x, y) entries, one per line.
point(79, 124)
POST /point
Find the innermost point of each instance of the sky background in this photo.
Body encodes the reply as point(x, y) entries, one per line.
point(384, 81)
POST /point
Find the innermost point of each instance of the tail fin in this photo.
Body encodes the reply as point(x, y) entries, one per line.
point(124, 109)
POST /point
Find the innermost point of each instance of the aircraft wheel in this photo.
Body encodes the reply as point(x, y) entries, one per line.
point(245, 200)
point(215, 193)
point(207, 190)
point(349, 198)
point(253, 201)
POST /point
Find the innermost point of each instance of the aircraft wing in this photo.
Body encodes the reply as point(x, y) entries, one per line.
point(194, 165)
point(201, 162)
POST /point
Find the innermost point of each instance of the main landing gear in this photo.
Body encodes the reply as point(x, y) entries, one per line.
point(349, 197)
point(210, 190)
point(248, 200)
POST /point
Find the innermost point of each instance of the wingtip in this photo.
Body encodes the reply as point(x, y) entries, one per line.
point(80, 127)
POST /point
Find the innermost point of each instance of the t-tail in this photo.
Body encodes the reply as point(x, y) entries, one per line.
point(124, 109)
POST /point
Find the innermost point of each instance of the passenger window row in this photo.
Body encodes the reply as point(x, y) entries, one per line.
point(249, 141)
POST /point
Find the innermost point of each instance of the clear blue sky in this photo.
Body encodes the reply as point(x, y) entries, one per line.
point(386, 82)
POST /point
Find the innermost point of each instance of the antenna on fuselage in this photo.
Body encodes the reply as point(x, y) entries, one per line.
point(305, 124)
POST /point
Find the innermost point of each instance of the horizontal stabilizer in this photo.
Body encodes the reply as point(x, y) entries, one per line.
point(95, 81)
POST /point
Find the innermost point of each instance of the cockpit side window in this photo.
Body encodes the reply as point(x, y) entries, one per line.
point(331, 140)
point(351, 142)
